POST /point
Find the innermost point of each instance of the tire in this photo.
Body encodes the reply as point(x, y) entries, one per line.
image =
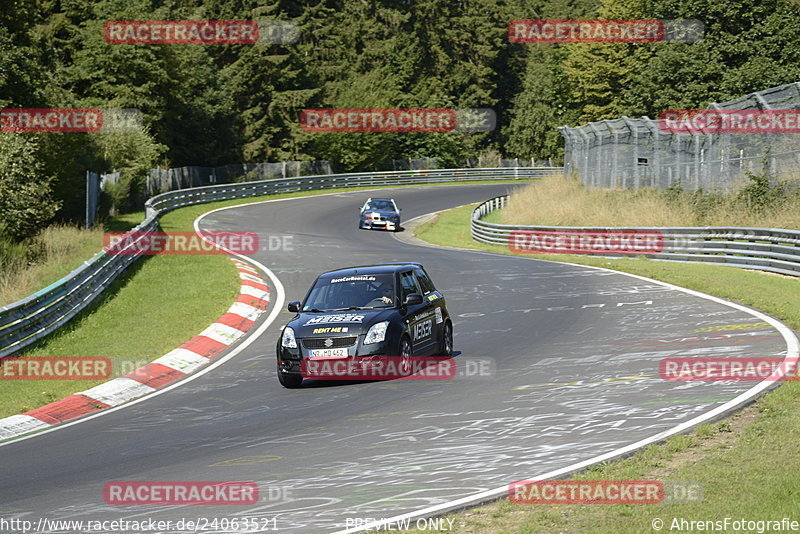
point(446, 348)
point(405, 353)
point(289, 381)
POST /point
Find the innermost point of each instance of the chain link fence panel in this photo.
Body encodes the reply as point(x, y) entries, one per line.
point(634, 153)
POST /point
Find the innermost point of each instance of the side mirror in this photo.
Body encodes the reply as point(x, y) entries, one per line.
point(294, 306)
point(413, 299)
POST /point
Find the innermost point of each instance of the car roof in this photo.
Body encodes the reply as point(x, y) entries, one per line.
point(371, 269)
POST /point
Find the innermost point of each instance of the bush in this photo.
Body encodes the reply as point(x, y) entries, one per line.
point(26, 203)
point(133, 154)
point(759, 196)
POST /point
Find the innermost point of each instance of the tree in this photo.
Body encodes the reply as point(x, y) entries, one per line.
point(532, 130)
point(598, 76)
point(544, 100)
point(749, 45)
point(26, 203)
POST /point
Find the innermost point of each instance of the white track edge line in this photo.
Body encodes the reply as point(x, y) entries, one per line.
point(252, 336)
point(249, 339)
point(792, 352)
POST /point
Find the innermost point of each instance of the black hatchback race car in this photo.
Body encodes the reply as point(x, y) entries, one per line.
point(390, 310)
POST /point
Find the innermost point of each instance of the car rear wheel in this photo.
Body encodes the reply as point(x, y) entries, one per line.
point(289, 381)
point(447, 340)
point(405, 353)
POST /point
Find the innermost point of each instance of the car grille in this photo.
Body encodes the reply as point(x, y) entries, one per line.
point(337, 342)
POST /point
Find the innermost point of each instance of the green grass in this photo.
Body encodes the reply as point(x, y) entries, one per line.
point(746, 464)
point(53, 254)
point(775, 295)
point(44, 259)
point(156, 305)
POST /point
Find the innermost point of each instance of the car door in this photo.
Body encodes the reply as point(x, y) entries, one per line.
point(436, 302)
point(420, 318)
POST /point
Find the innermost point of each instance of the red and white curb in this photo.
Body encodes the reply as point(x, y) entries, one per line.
point(254, 297)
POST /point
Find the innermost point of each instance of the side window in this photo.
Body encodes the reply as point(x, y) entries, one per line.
point(408, 285)
point(425, 283)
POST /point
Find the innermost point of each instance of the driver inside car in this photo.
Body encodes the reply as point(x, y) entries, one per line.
point(385, 297)
point(386, 294)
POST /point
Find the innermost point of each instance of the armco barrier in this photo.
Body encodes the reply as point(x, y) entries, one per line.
point(767, 249)
point(197, 195)
point(28, 320)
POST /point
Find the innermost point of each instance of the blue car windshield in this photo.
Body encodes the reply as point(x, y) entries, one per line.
point(385, 205)
point(352, 292)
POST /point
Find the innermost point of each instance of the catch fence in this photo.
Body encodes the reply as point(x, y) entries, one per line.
point(636, 153)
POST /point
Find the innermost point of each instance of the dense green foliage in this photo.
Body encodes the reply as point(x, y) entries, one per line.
point(219, 104)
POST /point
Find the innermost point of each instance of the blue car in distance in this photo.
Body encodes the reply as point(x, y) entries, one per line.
point(380, 213)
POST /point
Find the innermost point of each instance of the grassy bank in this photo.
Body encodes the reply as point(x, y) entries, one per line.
point(58, 250)
point(154, 307)
point(44, 259)
point(744, 464)
point(555, 201)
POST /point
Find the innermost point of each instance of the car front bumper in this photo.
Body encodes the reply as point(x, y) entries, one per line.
point(379, 224)
point(289, 359)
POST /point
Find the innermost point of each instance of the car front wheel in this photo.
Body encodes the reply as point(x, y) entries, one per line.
point(289, 381)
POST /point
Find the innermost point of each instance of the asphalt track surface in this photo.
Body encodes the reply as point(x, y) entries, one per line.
point(572, 354)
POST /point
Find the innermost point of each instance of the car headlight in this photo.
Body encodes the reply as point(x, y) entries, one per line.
point(288, 340)
point(376, 333)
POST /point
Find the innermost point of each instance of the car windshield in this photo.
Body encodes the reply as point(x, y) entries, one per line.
point(351, 292)
point(380, 204)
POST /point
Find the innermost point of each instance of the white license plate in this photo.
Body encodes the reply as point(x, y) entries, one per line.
point(329, 353)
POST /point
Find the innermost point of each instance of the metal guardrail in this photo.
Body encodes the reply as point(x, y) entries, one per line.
point(28, 320)
point(775, 250)
point(196, 195)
